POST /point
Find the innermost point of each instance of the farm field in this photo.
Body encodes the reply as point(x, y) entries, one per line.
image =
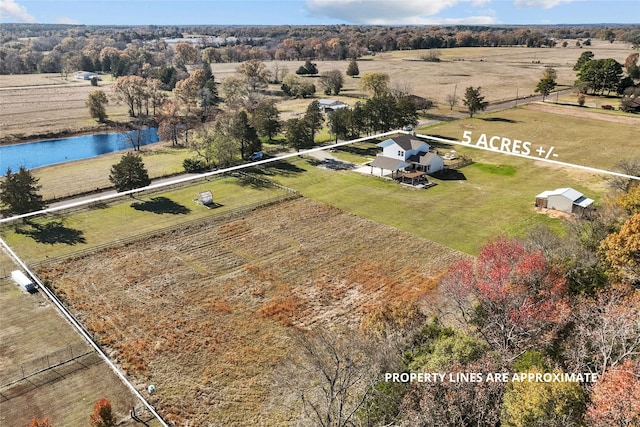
point(230, 291)
point(502, 72)
point(33, 336)
point(33, 106)
point(31, 109)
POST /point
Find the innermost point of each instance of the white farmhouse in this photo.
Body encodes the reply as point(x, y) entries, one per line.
point(409, 153)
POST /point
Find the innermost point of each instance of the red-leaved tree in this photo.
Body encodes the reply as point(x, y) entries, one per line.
point(102, 415)
point(615, 399)
point(512, 297)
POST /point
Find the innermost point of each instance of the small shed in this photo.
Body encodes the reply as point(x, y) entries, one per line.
point(564, 199)
point(206, 198)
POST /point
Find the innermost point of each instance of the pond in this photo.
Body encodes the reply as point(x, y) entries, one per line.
point(44, 153)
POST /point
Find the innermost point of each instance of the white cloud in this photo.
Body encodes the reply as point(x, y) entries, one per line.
point(66, 20)
point(547, 4)
point(467, 20)
point(389, 11)
point(10, 11)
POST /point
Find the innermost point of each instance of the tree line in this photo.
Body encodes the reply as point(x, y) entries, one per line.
point(40, 48)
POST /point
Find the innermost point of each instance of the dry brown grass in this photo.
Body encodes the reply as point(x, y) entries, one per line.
point(203, 313)
point(501, 72)
point(36, 109)
point(40, 104)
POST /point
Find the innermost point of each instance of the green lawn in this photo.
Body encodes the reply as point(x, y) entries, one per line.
point(581, 141)
point(495, 196)
point(461, 214)
point(130, 217)
point(87, 175)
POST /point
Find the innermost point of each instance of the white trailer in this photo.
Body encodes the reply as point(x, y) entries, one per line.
point(23, 281)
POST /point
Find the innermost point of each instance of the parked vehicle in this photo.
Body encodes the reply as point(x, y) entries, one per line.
point(258, 155)
point(608, 107)
point(23, 281)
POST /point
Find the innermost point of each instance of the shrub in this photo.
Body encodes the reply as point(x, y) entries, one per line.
point(193, 165)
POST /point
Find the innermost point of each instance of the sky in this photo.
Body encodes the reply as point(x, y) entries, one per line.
point(320, 12)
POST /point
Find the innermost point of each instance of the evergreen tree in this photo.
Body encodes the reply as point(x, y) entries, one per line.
point(96, 103)
point(298, 134)
point(246, 135)
point(129, 173)
point(474, 101)
point(19, 193)
point(266, 119)
point(352, 69)
point(314, 119)
point(545, 86)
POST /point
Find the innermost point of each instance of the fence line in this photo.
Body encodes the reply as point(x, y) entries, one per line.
point(30, 368)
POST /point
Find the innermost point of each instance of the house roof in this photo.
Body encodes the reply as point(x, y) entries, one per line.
point(330, 102)
point(406, 142)
point(583, 202)
point(569, 193)
point(422, 158)
point(388, 163)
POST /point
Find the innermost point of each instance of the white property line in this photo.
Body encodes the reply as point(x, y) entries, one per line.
point(524, 156)
point(74, 322)
point(287, 156)
point(191, 178)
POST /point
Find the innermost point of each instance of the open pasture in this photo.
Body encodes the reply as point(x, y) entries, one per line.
point(503, 72)
point(66, 179)
point(31, 109)
point(203, 312)
point(580, 136)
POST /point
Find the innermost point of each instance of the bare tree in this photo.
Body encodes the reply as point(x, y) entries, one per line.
point(401, 89)
point(452, 100)
point(607, 330)
point(629, 166)
point(328, 377)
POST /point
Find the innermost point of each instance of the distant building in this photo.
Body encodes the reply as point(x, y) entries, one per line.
point(565, 200)
point(331, 105)
point(85, 75)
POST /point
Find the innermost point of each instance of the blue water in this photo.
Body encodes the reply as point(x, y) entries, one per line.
point(43, 153)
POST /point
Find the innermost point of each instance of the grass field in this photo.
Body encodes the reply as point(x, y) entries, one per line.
point(203, 313)
point(32, 334)
point(37, 105)
point(67, 233)
point(461, 214)
point(579, 136)
point(70, 178)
